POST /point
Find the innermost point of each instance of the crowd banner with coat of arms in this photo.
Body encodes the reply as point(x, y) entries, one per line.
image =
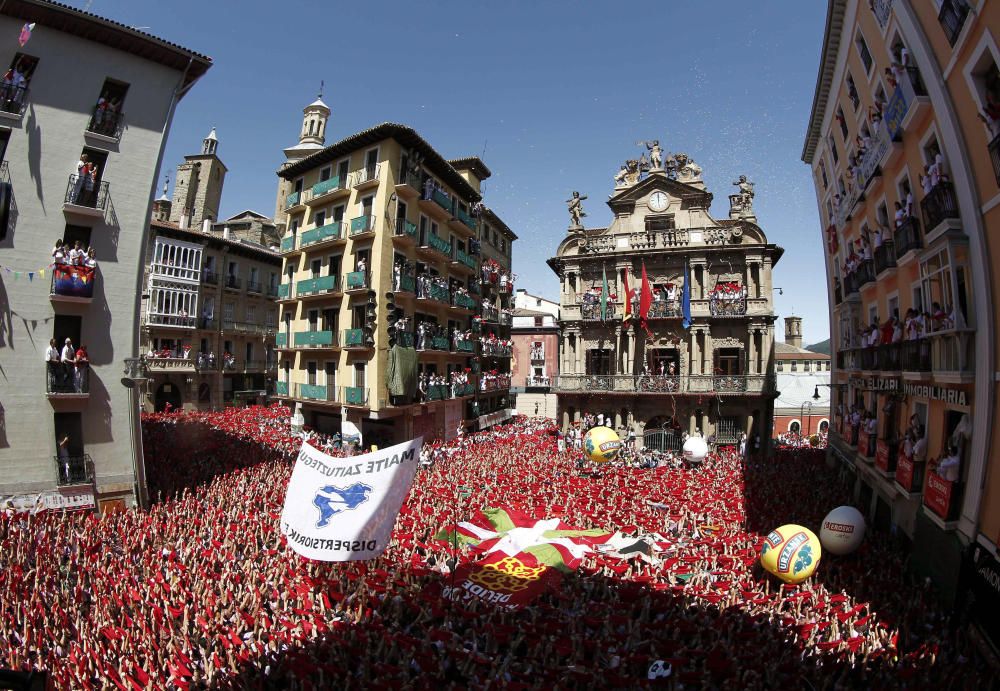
point(343, 509)
point(524, 556)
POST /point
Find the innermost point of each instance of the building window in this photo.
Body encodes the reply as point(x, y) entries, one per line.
point(952, 18)
point(865, 55)
point(843, 123)
point(795, 366)
point(599, 361)
point(780, 366)
point(833, 149)
point(822, 173)
point(22, 67)
point(852, 92)
point(538, 321)
point(654, 223)
point(729, 361)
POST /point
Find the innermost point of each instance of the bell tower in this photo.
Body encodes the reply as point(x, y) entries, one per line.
point(198, 186)
point(793, 331)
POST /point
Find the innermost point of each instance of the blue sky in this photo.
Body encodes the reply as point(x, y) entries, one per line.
point(557, 93)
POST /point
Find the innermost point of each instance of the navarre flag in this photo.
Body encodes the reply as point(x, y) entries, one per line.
point(629, 292)
point(343, 509)
point(524, 556)
point(25, 34)
point(645, 299)
point(686, 297)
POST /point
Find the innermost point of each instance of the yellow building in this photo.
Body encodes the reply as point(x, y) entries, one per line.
point(383, 309)
point(903, 145)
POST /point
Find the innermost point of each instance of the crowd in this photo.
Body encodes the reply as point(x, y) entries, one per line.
point(201, 591)
point(63, 254)
point(68, 369)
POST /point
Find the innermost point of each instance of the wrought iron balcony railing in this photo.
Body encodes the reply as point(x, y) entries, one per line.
point(939, 205)
point(908, 237)
point(107, 123)
point(13, 99)
point(885, 256)
point(77, 469)
point(685, 383)
point(82, 190)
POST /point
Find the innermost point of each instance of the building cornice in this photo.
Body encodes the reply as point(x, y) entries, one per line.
point(827, 66)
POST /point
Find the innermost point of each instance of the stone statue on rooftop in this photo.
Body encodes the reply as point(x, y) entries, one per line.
point(575, 208)
point(655, 155)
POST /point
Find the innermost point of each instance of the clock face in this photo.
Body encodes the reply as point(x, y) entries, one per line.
point(658, 201)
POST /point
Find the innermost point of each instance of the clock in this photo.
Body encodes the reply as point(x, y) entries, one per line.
point(658, 201)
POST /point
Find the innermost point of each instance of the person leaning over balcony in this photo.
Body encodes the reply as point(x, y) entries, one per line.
point(90, 261)
point(59, 252)
point(64, 463)
point(75, 254)
point(82, 373)
point(919, 445)
point(52, 364)
point(949, 466)
point(82, 172)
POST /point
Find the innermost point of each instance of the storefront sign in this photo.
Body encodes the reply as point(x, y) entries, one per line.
point(50, 501)
point(937, 494)
point(881, 384)
point(895, 111)
point(904, 473)
point(936, 393)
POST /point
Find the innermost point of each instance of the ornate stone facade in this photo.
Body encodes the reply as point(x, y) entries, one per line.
point(665, 375)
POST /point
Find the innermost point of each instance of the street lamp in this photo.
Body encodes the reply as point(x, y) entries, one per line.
point(806, 405)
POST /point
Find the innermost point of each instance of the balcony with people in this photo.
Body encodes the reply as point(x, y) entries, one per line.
point(86, 194)
point(943, 484)
point(728, 299)
point(537, 382)
point(939, 205)
point(107, 120)
point(404, 279)
point(496, 277)
point(492, 346)
point(462, 300)
point(73, 468)
point(885, 256)
point(67, 371)
point(908, 236)
point(14, 85)
point(359, 280)
point(74, 272)
point(886, 452)
point(432, 336)
point(405, 230)
point(595, 306)
point(433, 287)
point(654, 383)
point(494, 380)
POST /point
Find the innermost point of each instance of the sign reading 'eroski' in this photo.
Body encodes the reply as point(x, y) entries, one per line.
point(343, 509)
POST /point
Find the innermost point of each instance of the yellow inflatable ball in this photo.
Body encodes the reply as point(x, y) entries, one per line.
point(602, 444)
point(791, 553)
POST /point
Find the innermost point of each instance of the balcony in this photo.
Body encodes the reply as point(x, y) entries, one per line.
point(441, 198)
point(367, 176)
point(288, 244)
point(865, 273)
point(537, 382)
point(362, 225)
point(292, 200)
point(441, 245)
point(357, 339)
point(232, 282)
point(463, 301)
point(321, 285)
point(952, 18)
point(316, 392)
point(272, 290)
point(65, 382)
point(182, 321)
point(317, 340)
point(537, 354)
point(404, 339)
point(466, 220)
point(284, 291)
point(355, 395)
point(406, 283)
point(491, 349)
point(752, 384)
point(909, 475)
point(172, 364)
point(994, 148)
point(916, 355)
point(866, 358)
point(438, 392)
point(953, 355)
point(245, 327)
point(888, 357)
point(281, 388)
point(500, 382)
point(907, 238)
point(885, 257)
point(72, 283)
point(428, 342)
point(329, 233)
point(405, 229)
point(86, 197)
point(281, 340)
point(74, 470)
point(430, 290)
point(465, 259)
point(254, 287)
point(665, 309)
point(938, 207)
point(465, 346)
point(325, 190)
point(357, 280)
point(107, 123)
point(14, 100)
point(727, 307)
point(210, 277)
point(591, 311)
point(866, 444)
point(491, 315)
point(942, 496)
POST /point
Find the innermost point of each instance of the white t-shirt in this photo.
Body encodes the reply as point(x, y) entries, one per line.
point(68, 353)
point(948, 469)
point(920, 451)
point(52, 354)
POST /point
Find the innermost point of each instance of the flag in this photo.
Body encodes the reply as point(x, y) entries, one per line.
point(524, 556)
point(645, 299)
point(627, 313)
point(343, 509)
point(686, 297)
point(604, 293)
point(25, 34)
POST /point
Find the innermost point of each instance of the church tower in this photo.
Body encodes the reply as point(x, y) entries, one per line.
point(793, 331)
point(198, 186)
point(312, 138)
point(161, 207)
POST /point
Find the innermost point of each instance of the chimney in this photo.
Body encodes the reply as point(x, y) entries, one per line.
point(206, 225)
point(226, 234)
point(793, 331)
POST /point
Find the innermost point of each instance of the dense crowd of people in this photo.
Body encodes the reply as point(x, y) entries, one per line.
point(201, 591)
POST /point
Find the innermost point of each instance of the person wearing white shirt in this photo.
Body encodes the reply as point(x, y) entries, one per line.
point(68, 360)
point(52, 363)
point(920, 449)
point(949, 466)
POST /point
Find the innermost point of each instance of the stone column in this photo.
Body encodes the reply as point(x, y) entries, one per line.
point(751, 350)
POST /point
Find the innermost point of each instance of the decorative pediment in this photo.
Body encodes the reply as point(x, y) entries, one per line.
point(681, 195)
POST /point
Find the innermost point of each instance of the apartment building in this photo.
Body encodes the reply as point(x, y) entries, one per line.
point(81, 139)
point(903, 144)
point(535, 333)
point(392, 323)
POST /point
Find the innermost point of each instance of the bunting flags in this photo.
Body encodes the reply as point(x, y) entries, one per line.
point(604, 293)
point(645, 300)
point(686, 297)
point(30, 273)
point(629, 292)
point(25, 34)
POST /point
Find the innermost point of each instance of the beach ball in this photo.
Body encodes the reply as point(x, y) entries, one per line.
point(791, 553)
point(695, 449)
point(843, 530)
point(602, 444)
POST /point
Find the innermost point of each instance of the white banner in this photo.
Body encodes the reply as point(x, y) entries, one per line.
point(343, 509)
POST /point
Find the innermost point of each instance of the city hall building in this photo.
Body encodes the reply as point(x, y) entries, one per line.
point(663, 379)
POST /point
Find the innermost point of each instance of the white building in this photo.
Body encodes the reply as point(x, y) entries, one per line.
point(535, 334)
point(97, 88)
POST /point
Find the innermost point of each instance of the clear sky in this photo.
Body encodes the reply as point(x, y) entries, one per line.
point(557, 94)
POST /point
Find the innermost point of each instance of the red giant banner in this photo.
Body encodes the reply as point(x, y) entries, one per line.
point(501, 579)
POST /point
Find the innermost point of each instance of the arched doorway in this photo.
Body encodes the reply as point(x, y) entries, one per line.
point(167, 393)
